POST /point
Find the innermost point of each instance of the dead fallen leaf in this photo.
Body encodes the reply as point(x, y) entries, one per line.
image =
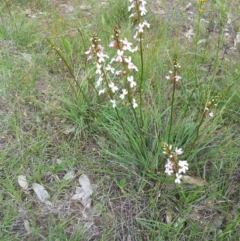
point(69, 175)
point(69, 130)
point(168, 217)
point(85, 184)
point(41, 193)
point(79, 193)
point(27, 225)
point(22, 181)
point(83, 193)
point(193, 180)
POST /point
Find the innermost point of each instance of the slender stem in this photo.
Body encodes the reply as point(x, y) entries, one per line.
point(171, 116)
point(220, 95)
point(141, 78)
point(197, 133)
point(190, 97)
point(71, 72)
point(81, 34)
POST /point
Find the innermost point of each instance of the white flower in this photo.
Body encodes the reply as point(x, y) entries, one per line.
point(99, 67)
point(169, 168)
point(130, 78)
point(179, 151)
point(177, 78)
point(112, 44)
point(89, 57)
point(119, 72)
point(136, 35)
point(113, 87)
point(169, 164)
point(135, 49)
point(131, 81)
point(132, 15)
point(134, 103)
point(145, 23)
point(131, 7)
point(178, 178)
point(169, 172)
point(101, 57)
point(140, 28)
point(177, 66)
point(109, 68)
point(119, 55)
point(88, 51)
point(101, 91)
point(128, 60)
point(133, 84)
point(183, 166)
point(99, 81)
point(124, 92)
point(126, 45)
point(143, 10)
point(143, 2)
point(168, 77)
point(132, 66)
point(113, 103)
point(211, 114)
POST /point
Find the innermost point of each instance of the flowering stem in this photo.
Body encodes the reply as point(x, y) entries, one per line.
point(81, 34)
point(171, 116)
point(190, 97)
point(174, 78)
point(71, 72)
point(197, 132)
point(141, 78)
point(206, 112)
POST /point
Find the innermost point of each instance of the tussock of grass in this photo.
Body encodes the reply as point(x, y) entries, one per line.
point(53, 121)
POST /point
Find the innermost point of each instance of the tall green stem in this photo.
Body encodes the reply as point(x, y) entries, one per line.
point(71, 72)
point(171, 116)
point(141, 78)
